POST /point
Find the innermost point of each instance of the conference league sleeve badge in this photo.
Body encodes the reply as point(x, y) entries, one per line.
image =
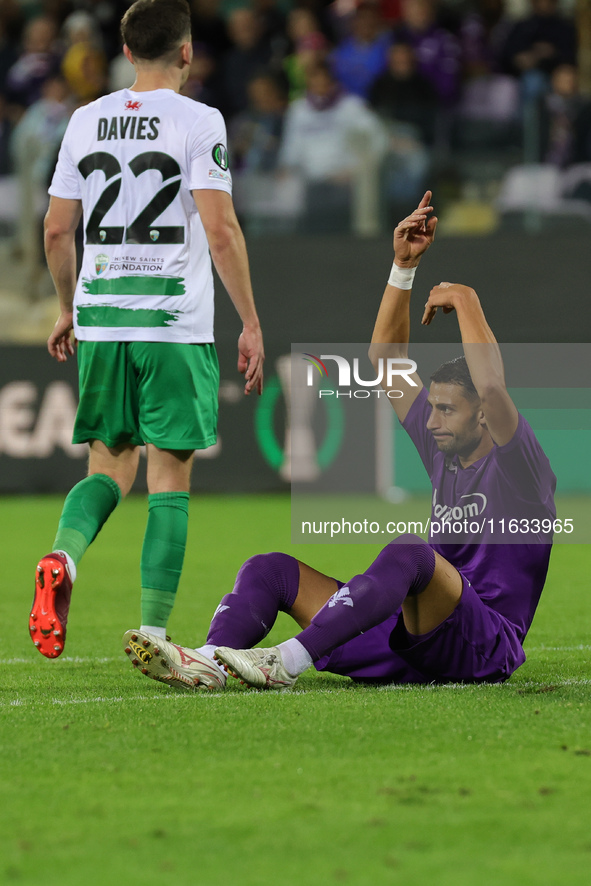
point(220, 156)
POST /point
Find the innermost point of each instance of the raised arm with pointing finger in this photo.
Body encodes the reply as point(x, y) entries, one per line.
point(412, 238)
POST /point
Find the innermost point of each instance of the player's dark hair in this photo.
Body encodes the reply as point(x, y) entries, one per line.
point(455, 372)
point(153, 29)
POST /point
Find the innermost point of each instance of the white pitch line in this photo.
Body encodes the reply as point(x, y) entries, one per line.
point(20, 702)
point(121, 698)
point(75, 659)
point(339, 689)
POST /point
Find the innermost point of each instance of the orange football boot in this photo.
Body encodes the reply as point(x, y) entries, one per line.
point(49, 615)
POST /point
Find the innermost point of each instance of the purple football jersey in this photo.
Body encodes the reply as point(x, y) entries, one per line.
point(513, 482)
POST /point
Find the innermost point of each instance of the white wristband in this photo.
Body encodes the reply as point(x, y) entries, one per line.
point(401, 278)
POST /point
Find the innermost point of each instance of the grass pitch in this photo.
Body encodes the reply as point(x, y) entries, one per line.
point(107, 777)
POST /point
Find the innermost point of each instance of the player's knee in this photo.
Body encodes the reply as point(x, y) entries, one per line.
point(406, 548)
point(275, 573)
point(409, 555)
point(259, 567)
point(256, 564)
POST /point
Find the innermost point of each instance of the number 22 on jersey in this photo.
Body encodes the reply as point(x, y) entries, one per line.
point(142, 229)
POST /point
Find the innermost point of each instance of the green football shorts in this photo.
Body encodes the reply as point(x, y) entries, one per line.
point(137, 392)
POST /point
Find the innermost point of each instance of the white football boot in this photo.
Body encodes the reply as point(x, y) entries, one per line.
point(178, 666)
point(259, 668)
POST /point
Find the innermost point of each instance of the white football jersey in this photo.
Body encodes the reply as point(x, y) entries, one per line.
point(133, 159)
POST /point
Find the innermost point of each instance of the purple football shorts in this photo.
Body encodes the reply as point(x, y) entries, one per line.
point(474, 644)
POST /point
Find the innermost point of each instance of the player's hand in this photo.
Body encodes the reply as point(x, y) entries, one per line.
point(251, 355)
point(60, 343)
point(414, 234)
point(445, 296)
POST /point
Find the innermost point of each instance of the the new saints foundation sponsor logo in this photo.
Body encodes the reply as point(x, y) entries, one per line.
point(136, 263)
point(390, 370)
point(341, 596)
point(470, 505)
point(141, 653)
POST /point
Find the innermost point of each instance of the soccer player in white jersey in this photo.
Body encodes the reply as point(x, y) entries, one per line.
point(147, 169)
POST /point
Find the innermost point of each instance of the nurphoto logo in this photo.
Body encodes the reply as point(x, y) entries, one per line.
point(389, 369)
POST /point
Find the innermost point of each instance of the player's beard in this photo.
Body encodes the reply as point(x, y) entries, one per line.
point(462, 445)
point(445, 444)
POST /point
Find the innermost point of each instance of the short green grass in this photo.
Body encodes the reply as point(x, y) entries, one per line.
point(109, 778)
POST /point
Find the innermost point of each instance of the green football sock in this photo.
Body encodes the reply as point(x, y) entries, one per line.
point(85, 511)
point(163, 554)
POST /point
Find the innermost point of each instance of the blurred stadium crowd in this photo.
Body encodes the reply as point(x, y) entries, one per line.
point(338, 114)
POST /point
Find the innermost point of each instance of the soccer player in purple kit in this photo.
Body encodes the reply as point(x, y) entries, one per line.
point(422, 612)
